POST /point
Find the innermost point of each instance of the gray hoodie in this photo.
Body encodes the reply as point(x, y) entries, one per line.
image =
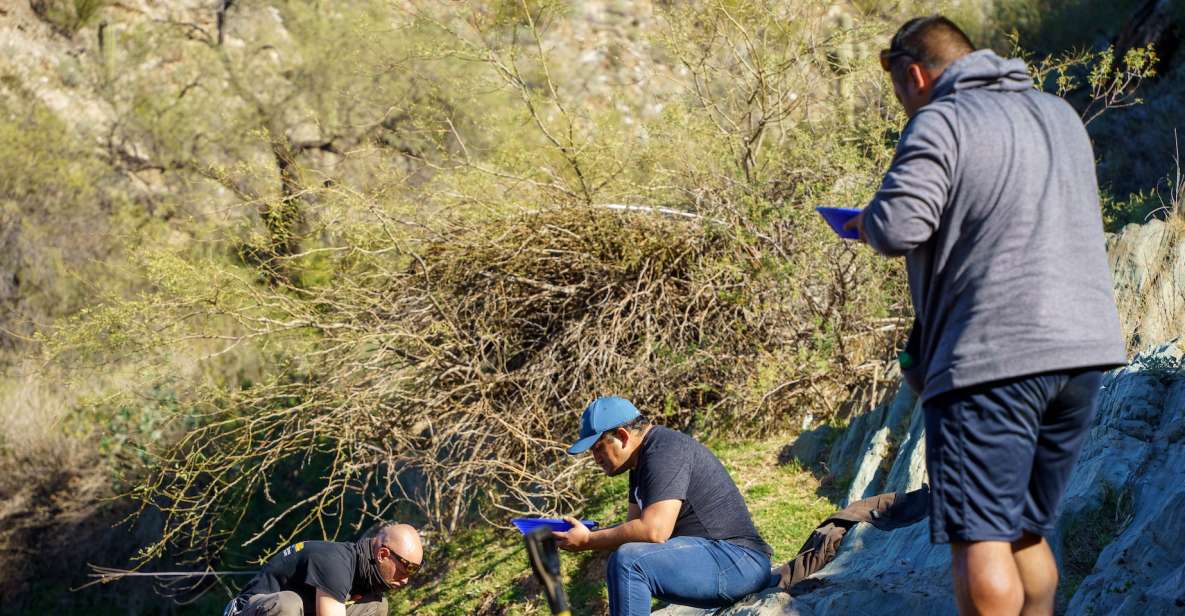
point(992, 199)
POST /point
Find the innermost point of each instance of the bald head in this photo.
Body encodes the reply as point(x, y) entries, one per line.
point(403, 539)
point(933, 41)
point(398, 553)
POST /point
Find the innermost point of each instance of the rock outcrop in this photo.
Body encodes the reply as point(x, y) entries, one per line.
point(1122, 521)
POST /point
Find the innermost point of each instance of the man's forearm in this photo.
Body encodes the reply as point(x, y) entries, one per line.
point(632, 531)
point(327, 605)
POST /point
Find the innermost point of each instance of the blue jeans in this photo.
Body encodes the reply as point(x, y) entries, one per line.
point(695, 571)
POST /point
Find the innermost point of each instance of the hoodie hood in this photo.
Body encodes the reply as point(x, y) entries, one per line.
point(983, 69)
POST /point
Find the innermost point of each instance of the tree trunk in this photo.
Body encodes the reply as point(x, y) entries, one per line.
point(284, 218)
point(1152, 24)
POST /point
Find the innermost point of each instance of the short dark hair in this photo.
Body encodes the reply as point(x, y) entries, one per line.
point(637, 424)
point(934, 41)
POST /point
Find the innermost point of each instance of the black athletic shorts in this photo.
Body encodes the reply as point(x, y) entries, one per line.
point(999, 454)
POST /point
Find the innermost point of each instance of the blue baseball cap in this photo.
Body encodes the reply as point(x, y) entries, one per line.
point(601, 416)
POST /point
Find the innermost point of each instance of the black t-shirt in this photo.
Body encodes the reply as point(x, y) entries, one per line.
point(672, 465)
point(306, 566)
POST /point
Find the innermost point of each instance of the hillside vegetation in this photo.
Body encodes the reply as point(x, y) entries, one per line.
point(284, 269)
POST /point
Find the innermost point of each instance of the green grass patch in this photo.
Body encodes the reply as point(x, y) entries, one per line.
point(783, 498)
point(1086, 533)
point(484, 570)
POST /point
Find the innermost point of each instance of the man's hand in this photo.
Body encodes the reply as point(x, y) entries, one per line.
point(655, 524)
point(857, 223)
point(575, 538)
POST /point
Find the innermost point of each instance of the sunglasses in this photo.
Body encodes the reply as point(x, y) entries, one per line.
point(888, 56)
point(408, 567)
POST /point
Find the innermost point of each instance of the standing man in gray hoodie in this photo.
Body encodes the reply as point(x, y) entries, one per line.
point(993, 201)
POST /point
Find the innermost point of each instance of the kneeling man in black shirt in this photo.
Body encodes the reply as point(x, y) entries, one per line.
point(689, 538)
point(318, 578)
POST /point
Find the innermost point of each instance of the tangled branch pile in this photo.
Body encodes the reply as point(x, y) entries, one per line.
point(452, 375)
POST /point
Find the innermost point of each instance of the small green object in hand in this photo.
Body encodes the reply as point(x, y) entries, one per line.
point(905, 360)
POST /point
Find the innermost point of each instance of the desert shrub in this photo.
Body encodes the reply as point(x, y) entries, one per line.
point(55, 205)
point(243, 137)
point(67, 17)
point(1096, 81)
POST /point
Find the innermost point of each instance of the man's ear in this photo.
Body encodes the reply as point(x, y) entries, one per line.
point(918, 77)
point(623, 435)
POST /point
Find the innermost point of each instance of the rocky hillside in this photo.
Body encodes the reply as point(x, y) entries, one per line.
point(1121, 526)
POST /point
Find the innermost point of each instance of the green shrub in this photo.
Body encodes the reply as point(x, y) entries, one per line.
point(68, 16)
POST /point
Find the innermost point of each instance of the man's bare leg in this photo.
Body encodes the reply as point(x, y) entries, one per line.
point(986, 579)
point(1038, 574)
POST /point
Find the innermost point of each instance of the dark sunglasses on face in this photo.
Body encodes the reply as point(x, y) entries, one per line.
point(888, 56)
point(408, 567)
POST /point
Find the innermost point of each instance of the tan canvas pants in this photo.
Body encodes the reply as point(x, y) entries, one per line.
point(288, 603)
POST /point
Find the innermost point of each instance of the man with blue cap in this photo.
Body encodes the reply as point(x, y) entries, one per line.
point(688, 538)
